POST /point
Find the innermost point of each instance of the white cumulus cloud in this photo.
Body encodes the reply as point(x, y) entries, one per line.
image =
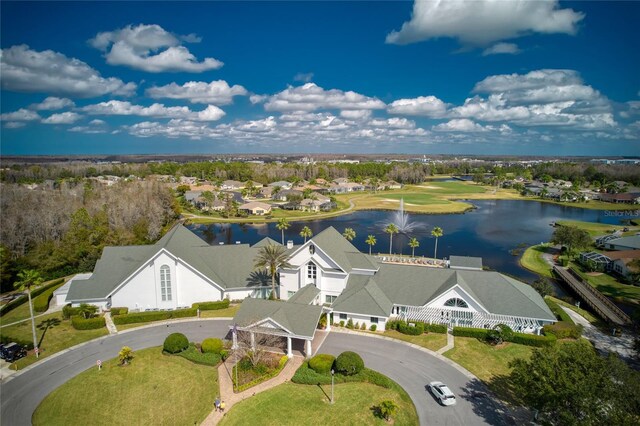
point(217, 92)
point(428, 106)
point(151, 48)
point(482, 22)
point(211, 113)
point(27, 70)
point(502, 49)
point(62, 118)
point(52, 103)
point(20, 115)
point(459, 125)
point(311, 97)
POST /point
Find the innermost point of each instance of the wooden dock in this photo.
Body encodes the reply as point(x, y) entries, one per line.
point(597, 301)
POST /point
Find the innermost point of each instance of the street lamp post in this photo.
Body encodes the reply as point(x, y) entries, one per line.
point(332, 372)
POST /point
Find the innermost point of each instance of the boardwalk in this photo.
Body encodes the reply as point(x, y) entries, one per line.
point(596, 300)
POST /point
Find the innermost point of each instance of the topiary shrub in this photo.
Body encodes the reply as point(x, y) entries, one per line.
point(363, 326)
point(341, 324)
point(212, 345)
point(176, 342)
point(322, 363)
point(350, 323)
point(349, 363)
point(373, 327)
point(357, 326)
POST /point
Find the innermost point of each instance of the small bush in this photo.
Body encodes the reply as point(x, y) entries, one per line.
point(349, 363)
point(322, 363)
point(341, 324)
point(212, 345)
point(436, 328)
point(224, 354)
point(533, 340)
point(363, 326)
point(175, 342)
point(478, 333)
point(394, 324)
point(211, 306)
point(357, 326)
point(350, 324)
point(68, 311)
point(373, 327)
point(563, 330)
point(119, 311)
point(412, 328)
point(79, 323)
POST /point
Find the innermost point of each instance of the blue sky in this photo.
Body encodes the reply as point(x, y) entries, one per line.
point(450, 77)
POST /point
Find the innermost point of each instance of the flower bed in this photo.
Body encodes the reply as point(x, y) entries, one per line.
point(249, 376)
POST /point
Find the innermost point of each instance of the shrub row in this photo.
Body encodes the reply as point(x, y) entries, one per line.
point(558, 311)
point(153, 316)
point(211, 306)
point(267, 376)
point(194, 355)
point(412, 328)
point(80, 323)
point(41, 301)
point(563, 330)
point(119, 311)
point(519, 338)
point(401, 325)
point(23, 299)
point(307, 376)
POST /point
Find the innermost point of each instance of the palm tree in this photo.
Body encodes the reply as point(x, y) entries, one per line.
point(391, 229)
point(29, 278)
point(436, 232)
point(413, 243)
point(349, 234)
point(371, 240)
point(306, 233)
point(283, 224)
point(272, 257)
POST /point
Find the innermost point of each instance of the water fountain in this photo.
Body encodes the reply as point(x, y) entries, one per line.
point(401, 220)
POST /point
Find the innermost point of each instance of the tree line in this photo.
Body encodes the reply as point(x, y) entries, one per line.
point(63, 230)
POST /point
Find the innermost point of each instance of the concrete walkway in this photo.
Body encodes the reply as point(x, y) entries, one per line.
point(230, 398)
point(605, 343)
point(109, 323)
point(449, 344)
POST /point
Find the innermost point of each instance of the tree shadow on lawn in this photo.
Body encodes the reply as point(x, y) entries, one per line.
point(46, 325)
point(486, 404)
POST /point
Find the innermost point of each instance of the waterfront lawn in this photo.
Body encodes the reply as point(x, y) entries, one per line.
point(53, 333)
point(610, 286)
point(489, 363)
point(293, 404)
point(431, 341)
point(155, 389)
point(599, 229)
point(416, 198)
point(455, 188)
point(532, 260)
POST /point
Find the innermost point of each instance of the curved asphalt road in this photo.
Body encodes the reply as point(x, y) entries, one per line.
point(410, 368)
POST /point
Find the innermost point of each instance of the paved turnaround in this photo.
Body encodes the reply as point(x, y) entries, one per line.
point(411, 368)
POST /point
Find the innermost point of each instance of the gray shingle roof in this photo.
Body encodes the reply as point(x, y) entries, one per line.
point(345, 254)
point(632, 242)
point(465, 262)
point(363, 296)
point(305, 295)
point(300, 319)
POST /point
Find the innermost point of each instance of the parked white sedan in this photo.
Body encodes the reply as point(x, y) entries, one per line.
point(442, 393)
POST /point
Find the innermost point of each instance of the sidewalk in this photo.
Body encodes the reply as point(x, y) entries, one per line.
point(230, 398)
point(449, 345)
point(109, 323)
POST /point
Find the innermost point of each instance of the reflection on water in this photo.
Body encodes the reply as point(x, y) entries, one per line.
point(490, 231)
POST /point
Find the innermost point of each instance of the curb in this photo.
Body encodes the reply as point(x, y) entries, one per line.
point(446, 360)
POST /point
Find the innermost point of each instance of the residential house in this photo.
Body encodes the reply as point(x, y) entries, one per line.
point(231, 185)
point(256, 208)
point(282, 184)
point(287, 194)
point(623, 243)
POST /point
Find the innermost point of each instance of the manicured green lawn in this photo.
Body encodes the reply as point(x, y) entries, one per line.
point(431, 341)
point(155, 389)
point(487, 362)
point(53, 333)
point(454, 188)
point(532, 260)
point(292, 404)
point(598, 229)
point(19, 313)
point(610, 286)
point(417, 198)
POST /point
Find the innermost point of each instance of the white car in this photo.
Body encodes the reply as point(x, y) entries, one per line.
point(442, 393)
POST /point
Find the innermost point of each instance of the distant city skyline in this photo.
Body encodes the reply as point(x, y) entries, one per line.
point(481, 77)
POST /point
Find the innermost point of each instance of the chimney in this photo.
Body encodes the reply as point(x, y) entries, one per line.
point(289, 244)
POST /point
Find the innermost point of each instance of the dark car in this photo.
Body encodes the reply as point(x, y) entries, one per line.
point(13, 352)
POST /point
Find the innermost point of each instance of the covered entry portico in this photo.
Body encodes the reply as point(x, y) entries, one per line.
point(273, 318)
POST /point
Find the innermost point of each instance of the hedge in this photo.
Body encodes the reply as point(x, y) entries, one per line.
point(153, 316)
point(41, 302)
point(274, 373)
point(413, 330)
point(563, 330)
point(558, 311)
point(305, 375)
point(80, 323)
point(436, 328)
point(119, 311)
point(478, 333)
point(23, 299)
point(212, 345)
point(68, 311)
point(349, 363)
point(211, 306)
point(175, 342)
point(519, 338)
point(322, 363)
point(194, 355)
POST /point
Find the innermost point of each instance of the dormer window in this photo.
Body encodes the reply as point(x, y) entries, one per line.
point(456, 302)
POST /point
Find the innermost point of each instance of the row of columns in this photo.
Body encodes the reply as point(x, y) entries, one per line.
point(234, 345)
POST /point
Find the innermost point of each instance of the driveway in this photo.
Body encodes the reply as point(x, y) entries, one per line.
point(413, 369)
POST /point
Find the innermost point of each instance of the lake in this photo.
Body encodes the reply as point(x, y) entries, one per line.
point(491, 231)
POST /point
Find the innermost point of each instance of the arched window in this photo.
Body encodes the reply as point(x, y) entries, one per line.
point(165, 283)
point(456, 303)
point(312, 271)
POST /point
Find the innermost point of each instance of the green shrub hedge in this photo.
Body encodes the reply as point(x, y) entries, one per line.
point(212, 345)
point(194, 355)
point(436, 328)
point(478, 333)
point(80, 323)
point(41, 302)
point(563, 330)
point(349, 363)
point(305, 375)
point(211, 306)
point(558, 311)
point(412, 328)
point(119, 311)
point(153, 316)
point(519, 338)
point(68, 311)
point(175, 342)
point(23, 299)
point(322, 363)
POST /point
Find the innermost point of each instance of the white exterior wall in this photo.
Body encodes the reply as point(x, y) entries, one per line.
point(456, 292)
point(289, 281)
point(332, 283)
point(257, 293)
point(141, 291)
point(356, 318)
point(191, 287)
